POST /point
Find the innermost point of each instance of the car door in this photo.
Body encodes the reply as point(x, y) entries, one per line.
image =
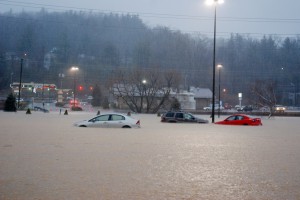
point(240, 120)
point(230, 120)
point(100, 121)
point(179, 117)
point(117, 121)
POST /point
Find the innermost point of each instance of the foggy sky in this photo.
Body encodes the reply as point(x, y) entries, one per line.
point(252, 17)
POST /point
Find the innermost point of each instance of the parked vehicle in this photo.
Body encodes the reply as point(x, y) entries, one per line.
point(245, 108)
point(241, 119)
point(216, 107)
point(110, 120)
point(279, 108)
point(180, 116)
point(227, 106)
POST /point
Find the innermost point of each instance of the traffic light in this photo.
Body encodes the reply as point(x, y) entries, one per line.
point(80, 88)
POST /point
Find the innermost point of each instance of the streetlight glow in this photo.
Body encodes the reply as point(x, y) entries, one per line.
point(74, 68)
point(213, 2)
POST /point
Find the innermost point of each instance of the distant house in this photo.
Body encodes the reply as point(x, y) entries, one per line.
point(202, 97)
point(186, 99)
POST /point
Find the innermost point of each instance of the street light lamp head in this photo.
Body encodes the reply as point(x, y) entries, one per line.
point(213, 2)
point(74, 68)
point(144, 81)
point(219, 66)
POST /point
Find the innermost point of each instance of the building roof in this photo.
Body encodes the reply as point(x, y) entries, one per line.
point(203, 93)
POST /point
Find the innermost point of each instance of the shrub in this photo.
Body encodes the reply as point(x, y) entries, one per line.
point(175, 104)
point(10, 103)
point(28, 111)
point(105, 103)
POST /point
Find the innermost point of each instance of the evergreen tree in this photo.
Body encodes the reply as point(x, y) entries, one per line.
point(175, 105)
point(97, 96)
point(105, 103)
point(10, 103)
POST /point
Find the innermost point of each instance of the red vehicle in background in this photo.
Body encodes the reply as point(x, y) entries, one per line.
point(72, 103)
point(241, 119)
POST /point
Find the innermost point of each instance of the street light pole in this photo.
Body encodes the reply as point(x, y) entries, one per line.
point(219, 67)
point(214, 2)
point(74, 92)
point(20, 84)
point(214, 69)
point(61, 76)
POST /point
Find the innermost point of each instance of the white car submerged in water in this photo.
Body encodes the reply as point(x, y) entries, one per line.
point(110, 120)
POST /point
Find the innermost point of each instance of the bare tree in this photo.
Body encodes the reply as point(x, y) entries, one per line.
point(265, 93)
point(143, 90)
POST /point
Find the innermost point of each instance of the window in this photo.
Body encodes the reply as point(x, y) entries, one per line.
point(170, 114)
point(231, 118)
point(179, 115)
point(239, 117)
point(102, 118)
point(117, 117)
point(188, 116)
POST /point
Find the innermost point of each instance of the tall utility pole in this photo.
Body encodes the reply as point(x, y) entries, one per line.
point(214, 3)
point(219, 108)
point(20, 84)
point(214, 70)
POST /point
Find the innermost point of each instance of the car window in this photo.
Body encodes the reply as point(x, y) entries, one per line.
point(117, 117)
point(239, 117)
point(231, 118)
point(188, 116)
point(179, 115)
point(102, 118)
point(170, 114)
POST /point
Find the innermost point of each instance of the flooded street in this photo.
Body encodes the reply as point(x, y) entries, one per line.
point(43, 156)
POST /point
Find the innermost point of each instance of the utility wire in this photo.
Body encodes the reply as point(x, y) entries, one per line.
point(159, 15)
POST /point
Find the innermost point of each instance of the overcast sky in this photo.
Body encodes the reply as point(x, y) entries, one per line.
point(253, 17)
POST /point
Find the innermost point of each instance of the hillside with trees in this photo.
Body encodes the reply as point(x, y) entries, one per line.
point(100, 44)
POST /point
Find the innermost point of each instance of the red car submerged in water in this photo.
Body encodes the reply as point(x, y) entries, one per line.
point(241, 119)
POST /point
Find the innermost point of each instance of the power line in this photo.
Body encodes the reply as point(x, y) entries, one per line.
point(149, 14)
point(220, 34)
point(160, 15)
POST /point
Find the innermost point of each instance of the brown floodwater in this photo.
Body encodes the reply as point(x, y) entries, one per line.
point(42, 156)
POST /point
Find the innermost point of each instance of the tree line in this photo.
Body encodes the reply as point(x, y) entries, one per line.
point(103, 43)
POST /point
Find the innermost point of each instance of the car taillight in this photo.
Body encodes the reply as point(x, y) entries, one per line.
point(138, 122)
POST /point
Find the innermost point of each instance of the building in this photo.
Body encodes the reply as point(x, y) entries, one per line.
point(202, 96)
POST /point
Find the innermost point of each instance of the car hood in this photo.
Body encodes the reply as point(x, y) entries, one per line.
point(80, 122)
